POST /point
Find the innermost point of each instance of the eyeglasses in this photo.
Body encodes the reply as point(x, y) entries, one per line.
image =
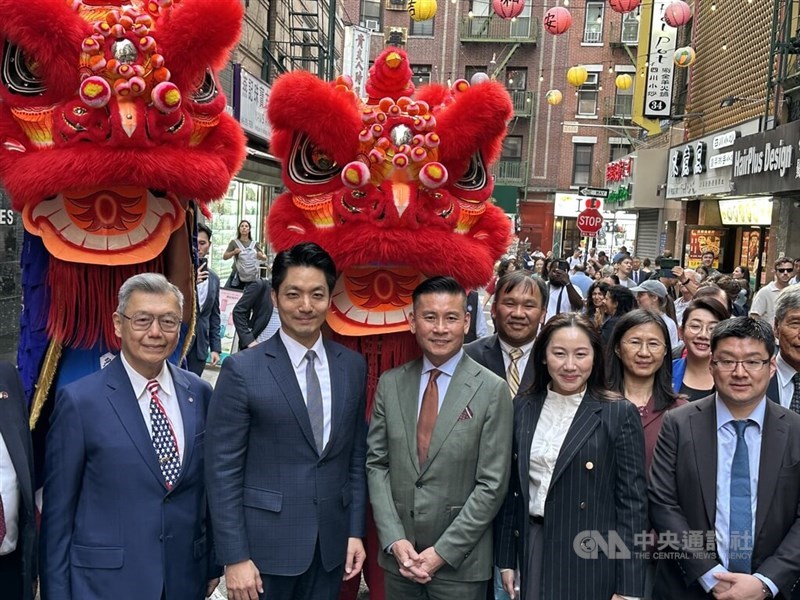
point(751, 366)
point(696, 328)
point(142, 322)
point(653, 346)
point(785, 270)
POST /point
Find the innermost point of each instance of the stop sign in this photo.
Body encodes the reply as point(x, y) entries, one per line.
point(590, 221)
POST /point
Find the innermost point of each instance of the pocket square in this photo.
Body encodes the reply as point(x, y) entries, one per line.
point(466, 414)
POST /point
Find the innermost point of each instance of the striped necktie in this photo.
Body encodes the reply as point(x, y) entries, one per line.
point(164, 441)
point(795, 403)
point(512, 374)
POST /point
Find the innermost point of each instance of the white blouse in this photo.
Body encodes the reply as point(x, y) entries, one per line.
point(554, 422)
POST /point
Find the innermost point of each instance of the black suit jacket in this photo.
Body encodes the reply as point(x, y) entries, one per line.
point(17, 437)
point(252, 312)
point(206, 328)
point(598, 485)
point(683, 497)
point(488, 353)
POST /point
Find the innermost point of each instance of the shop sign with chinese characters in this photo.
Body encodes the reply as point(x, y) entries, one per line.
point(619, 179)
point(252, 96)
point(704, 166)
point(660, 66)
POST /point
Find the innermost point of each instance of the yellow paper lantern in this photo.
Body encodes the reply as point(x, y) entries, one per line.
point(421, 10)
point(623, 81)
point(554, 97)
point(577, 76)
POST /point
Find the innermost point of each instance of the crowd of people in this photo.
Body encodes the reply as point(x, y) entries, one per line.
point(623, 433)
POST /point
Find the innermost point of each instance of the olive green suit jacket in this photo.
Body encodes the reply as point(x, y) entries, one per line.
point(450, 502)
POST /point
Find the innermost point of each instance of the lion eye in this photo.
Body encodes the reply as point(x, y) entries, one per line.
point(19, 73)
point(475, 178)
point(309, 163)
point(207, 90)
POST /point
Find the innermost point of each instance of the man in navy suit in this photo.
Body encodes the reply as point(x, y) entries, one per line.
point(124, 512)
point(286, 448)
point(206, 327)
point(17, 519)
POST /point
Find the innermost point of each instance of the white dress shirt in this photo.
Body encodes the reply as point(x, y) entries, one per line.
point(202, 293)
point(785, 383)
point(167, 396)
point(9, 491)
point(297, 356)
point(558, 302)
point(442, 382)
point(522, 363)
point(554, 422)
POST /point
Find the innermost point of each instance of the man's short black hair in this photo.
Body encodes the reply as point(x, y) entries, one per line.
point(305, 254)
point(439, 284)
point(204, 228)
point(520, 278)
point(744, 328)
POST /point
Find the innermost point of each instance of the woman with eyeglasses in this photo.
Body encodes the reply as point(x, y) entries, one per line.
point(578, 472)
point(691, 375)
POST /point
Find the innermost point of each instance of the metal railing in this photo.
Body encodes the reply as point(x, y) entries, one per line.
point(523, 103)
point(592, 36)
point(623, 106)
point(494, 29)
point(509, 172)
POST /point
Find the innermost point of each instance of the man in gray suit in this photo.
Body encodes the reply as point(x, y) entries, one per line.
point(439, 449)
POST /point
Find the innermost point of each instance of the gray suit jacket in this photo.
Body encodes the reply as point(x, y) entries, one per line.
point(488, 353)
point(450, 502)
point(683, 496)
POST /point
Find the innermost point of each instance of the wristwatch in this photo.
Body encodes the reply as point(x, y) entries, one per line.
point(766, 591)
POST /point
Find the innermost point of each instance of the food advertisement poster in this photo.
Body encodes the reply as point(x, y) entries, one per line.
point(703, 239)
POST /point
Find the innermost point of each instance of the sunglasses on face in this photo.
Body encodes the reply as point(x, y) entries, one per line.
point(785, 270)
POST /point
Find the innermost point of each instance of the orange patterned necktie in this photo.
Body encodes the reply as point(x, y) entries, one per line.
point(427, 416)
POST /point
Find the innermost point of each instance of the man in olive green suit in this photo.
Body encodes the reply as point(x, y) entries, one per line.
point(439, 449)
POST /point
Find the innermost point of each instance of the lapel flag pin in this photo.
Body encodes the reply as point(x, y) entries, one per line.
point(191, 399)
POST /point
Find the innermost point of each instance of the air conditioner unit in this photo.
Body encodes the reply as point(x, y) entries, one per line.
point(371, 24)
point(395, 4)
point(397, 36)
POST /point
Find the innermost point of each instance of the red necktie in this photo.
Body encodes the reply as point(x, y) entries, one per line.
point(164, 440)
point(427, 416)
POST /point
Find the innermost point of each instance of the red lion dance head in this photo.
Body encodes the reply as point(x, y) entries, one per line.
point(396, 189)
point(111, 124)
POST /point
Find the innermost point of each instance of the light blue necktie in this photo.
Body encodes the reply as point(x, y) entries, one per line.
point(314, 400)
point(740, 531)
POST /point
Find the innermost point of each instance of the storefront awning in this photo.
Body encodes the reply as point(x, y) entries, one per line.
point(261, 167)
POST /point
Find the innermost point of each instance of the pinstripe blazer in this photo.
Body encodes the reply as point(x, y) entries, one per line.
point(272, 496)
point(598, 485)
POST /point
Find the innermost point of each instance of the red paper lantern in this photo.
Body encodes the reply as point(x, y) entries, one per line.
point(624, 6)
point(508, 9)
point(677, 13)
point(557, 20)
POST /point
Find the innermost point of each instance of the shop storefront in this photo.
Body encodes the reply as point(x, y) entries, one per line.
point(633, 182)
point(700, 173)
point(619, 227)
point(254, 188)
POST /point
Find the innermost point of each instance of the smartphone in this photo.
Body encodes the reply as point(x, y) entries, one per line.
point(666, 267)
point(563, 265)
point(203, 265)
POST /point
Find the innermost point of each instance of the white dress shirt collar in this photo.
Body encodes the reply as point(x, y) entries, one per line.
point(448, 367)
point(139, 382)
point(297, 351)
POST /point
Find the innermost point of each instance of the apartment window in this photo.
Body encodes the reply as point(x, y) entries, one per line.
point(471, 70)
point(593, 27)
point(423, 28)
point(421, 74)
point(371, 14)
point(582, 164)
point(516, 78)
point(512, 148)
point(630, 28)
point(521, 26)
point(623, 101)
point(618, 151)
point(587, 96)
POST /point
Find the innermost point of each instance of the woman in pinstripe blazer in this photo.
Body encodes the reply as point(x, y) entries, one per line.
point(577, 494)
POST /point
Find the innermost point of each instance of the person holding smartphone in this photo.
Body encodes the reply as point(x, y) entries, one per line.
point(206, 326)
point(563, 296)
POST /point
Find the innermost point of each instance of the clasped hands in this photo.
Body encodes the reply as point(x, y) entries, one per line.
point(418, 567)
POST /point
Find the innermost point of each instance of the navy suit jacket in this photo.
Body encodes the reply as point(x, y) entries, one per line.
point(683, 497)
point(16, 434)
point(488, 353)
point(272, 496)
point(206, 328)
point(110, 526)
